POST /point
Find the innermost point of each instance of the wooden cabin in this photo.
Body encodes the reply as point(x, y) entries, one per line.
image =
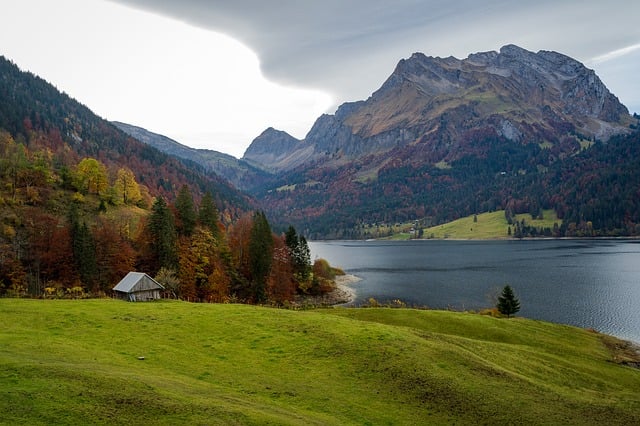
point(138, 287)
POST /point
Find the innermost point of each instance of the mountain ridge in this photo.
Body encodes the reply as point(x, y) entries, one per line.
point(444, 138)
point(238, 172)
point(521, 95)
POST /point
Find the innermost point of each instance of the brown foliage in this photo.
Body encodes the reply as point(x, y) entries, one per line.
point(114, 255)
point(281, 285)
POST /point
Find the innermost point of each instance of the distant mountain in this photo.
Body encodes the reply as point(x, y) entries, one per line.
point(442, 138)
point(276, 150)
point(238, 172)
point(437, 104)
point(36, 114)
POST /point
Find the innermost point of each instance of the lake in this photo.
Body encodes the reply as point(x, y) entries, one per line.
point(586, 283)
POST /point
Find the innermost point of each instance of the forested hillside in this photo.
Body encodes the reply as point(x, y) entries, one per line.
point(593, 191)
point(445, 138)
point(82, 204)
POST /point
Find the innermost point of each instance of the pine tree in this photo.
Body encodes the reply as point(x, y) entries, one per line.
point(163, 235)
point(300, 255)
point(208, 214)
point(185, 212)
point(508, 304)
point(260, 256)
point(83, 248)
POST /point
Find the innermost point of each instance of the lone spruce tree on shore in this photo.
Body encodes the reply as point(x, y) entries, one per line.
point(508, 304)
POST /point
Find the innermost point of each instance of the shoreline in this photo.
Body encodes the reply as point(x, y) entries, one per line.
point(343, 286)
point(342, 295)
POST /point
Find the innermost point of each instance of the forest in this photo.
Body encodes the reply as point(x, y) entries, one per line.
point(74, 230)
point(82, 204)
point(594, 191)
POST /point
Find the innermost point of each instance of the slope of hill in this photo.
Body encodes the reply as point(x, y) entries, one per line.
point(36, 114)
point(238, 172)
point(76, 192)
point(107, 361)
point(447, 138)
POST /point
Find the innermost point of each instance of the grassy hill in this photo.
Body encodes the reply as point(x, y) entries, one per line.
point(77, 362)
point(487, 226)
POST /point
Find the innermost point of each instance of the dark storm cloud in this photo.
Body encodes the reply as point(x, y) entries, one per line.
point(349, 47)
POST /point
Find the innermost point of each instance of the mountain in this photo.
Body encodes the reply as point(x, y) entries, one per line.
point(276, 150)
point(37, 115)
point(241, 174)
point(523, 96)
point(442, 138)
point(82, 203)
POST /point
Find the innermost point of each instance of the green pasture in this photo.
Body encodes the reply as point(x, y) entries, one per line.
point(112, 362)
point(491, 225)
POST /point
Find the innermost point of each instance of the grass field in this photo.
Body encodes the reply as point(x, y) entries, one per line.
point(77, 362)
point(489, 226)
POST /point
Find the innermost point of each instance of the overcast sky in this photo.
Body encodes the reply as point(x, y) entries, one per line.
point(215, 73)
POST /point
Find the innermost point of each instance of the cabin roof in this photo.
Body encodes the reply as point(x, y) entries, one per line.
point(137, 281)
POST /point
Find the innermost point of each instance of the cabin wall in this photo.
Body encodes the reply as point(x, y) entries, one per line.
point(139, 296)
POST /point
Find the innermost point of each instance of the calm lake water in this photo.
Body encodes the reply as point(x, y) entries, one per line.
point(586, 283)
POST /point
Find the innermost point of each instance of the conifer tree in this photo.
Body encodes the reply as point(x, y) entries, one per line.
point(260, 256)
point(208, 214)
point(508, 304)
point(185, 212)
point(83, 247)
point(300, 254)
point(163, 235)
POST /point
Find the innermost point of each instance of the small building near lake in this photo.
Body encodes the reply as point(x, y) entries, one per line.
point(138, 287)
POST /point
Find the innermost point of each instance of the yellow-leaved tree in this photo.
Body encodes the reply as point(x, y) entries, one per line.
point(127, 189)
point(91, 176)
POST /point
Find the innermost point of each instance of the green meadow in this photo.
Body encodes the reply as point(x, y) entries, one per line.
point(113, 362)
point(487, 226)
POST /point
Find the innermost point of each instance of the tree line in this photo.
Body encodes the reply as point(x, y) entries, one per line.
point(76, 229)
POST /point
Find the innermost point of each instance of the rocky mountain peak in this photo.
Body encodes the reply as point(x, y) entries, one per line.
point(270, 150)
point(524, 96)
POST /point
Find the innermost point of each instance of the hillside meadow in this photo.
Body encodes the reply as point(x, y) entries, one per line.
point(112, 362)
point(485, 226)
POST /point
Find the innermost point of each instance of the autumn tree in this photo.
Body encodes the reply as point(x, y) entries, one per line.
point(49, 254)
point(203, 271)
point(13, 161)
point(281, 285)
point(260, 256)
point(114, 255)
point(126, 188)
point(91, 176)
point(185, 212)
point(238, 237)
point(169, 280)
point(13, 279)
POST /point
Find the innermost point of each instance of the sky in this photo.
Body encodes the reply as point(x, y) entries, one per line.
point(215, 73)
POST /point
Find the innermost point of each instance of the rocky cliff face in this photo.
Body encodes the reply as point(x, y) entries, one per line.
point(438, 104)
point(276, 150)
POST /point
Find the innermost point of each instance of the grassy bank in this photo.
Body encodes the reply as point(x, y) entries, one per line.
point(77, 362)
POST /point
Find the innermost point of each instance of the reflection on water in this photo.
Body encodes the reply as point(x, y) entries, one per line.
point(587, 283)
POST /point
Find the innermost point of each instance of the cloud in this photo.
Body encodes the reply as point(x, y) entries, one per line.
point(615, 54)
point(216, 73)
point(349, 47)
point(199, 87)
